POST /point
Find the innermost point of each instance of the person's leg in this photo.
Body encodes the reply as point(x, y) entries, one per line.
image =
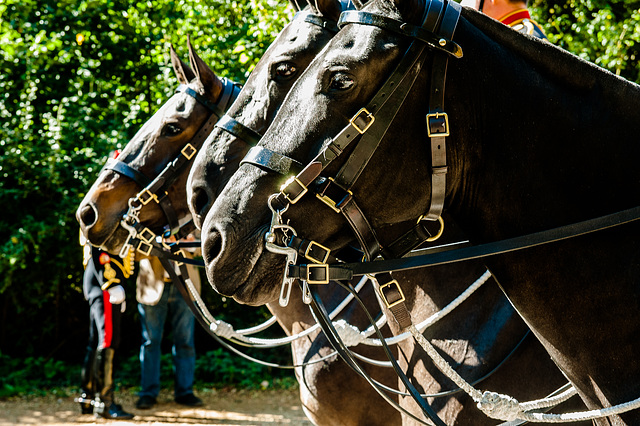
point(87, 373)
point(108, 328)
point(152, 320)
point(184, 352)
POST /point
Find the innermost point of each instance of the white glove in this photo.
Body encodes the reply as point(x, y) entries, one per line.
point(116, 294)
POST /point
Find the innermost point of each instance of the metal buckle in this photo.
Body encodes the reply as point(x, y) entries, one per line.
point(289, 181)
point(333, 204)
point(368, 115)
point(144, 248)
point(146, 235)
point(445, 132)
point(307, 252)
point(384, 298)
point(323, 266)
point(145, 196)
point(192, 151)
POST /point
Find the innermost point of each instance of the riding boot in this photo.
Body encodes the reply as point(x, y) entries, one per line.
point(104, 404)
point(87, 382)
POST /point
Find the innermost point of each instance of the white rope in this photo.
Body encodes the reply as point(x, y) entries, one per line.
point(507, 408)
point(226, 330)
point(433, 318)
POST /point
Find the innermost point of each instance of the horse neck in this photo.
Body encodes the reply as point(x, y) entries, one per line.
point(558, 147)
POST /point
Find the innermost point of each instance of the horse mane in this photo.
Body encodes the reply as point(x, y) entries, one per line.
point(550, 60)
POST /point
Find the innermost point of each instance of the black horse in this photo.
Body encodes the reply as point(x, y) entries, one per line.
point(538, 139)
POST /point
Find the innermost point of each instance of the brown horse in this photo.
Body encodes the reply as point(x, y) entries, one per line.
point(575, 161)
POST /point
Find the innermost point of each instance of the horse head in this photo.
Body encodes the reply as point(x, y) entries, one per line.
point(258, 102)
point(169, 134)
point(335, 86)
point(269, 82)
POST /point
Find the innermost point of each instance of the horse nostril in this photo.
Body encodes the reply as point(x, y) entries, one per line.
point(87, 216)
point(212, 246)
point(200, 202)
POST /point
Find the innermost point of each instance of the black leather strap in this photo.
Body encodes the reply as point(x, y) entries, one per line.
point(438, 42)
point(212, 106)
point(318, 20)
point(128, 171)
point(322, 318)
point(271, 160)
point(346, 271)
point(239, 130)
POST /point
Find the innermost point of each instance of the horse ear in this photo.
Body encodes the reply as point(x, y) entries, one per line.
point(330, 9)
point(209, 80)
point(184, 73)
point(182, 70)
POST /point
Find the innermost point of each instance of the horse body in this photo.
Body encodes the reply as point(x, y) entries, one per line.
point(573, 163)
point(539, 139)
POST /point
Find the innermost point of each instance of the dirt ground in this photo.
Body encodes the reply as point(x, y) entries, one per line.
point(221, 407)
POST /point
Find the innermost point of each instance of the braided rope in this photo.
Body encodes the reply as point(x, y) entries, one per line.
point(507, 408)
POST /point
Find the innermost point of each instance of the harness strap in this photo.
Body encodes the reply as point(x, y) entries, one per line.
point(128, 171)
point(346, 271)
point(322, 317)
point(437, 119)
point(271, 160)
point(239, 130)
point(318, 20)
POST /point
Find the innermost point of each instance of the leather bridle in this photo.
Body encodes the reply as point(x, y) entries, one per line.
point(156, 189)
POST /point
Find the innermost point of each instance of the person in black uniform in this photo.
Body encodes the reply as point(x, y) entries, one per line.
point(104, 275)
point(512, 13)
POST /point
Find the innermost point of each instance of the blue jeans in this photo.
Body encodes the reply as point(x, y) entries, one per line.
point(183, 351)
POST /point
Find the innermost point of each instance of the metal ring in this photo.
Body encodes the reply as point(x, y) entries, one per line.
point(439, 234)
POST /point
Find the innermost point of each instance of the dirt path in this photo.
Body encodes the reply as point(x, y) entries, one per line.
point(222, 407)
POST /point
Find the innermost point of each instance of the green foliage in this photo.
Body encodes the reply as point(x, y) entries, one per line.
point(77, 79)
point(34, 375)
point(214, 369)
point(222, 368)
point(606, 33)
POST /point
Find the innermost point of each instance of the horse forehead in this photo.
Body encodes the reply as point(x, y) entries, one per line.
point(360, 43)
point(299, 38)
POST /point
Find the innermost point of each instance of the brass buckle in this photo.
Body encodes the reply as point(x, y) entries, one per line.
point(316, 266)
point(191, 151)
point(179, 262)
point(446, 124)
point(146, 235)
point(144, 247)
point(331, 203)
point(382, 295)
point(145, 196)
point(307, 252)
point(289, 181)
point(367, 115)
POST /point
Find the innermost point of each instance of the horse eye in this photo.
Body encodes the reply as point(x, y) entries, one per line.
point(171, 129)
point(285, 70)
point(341, 82)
